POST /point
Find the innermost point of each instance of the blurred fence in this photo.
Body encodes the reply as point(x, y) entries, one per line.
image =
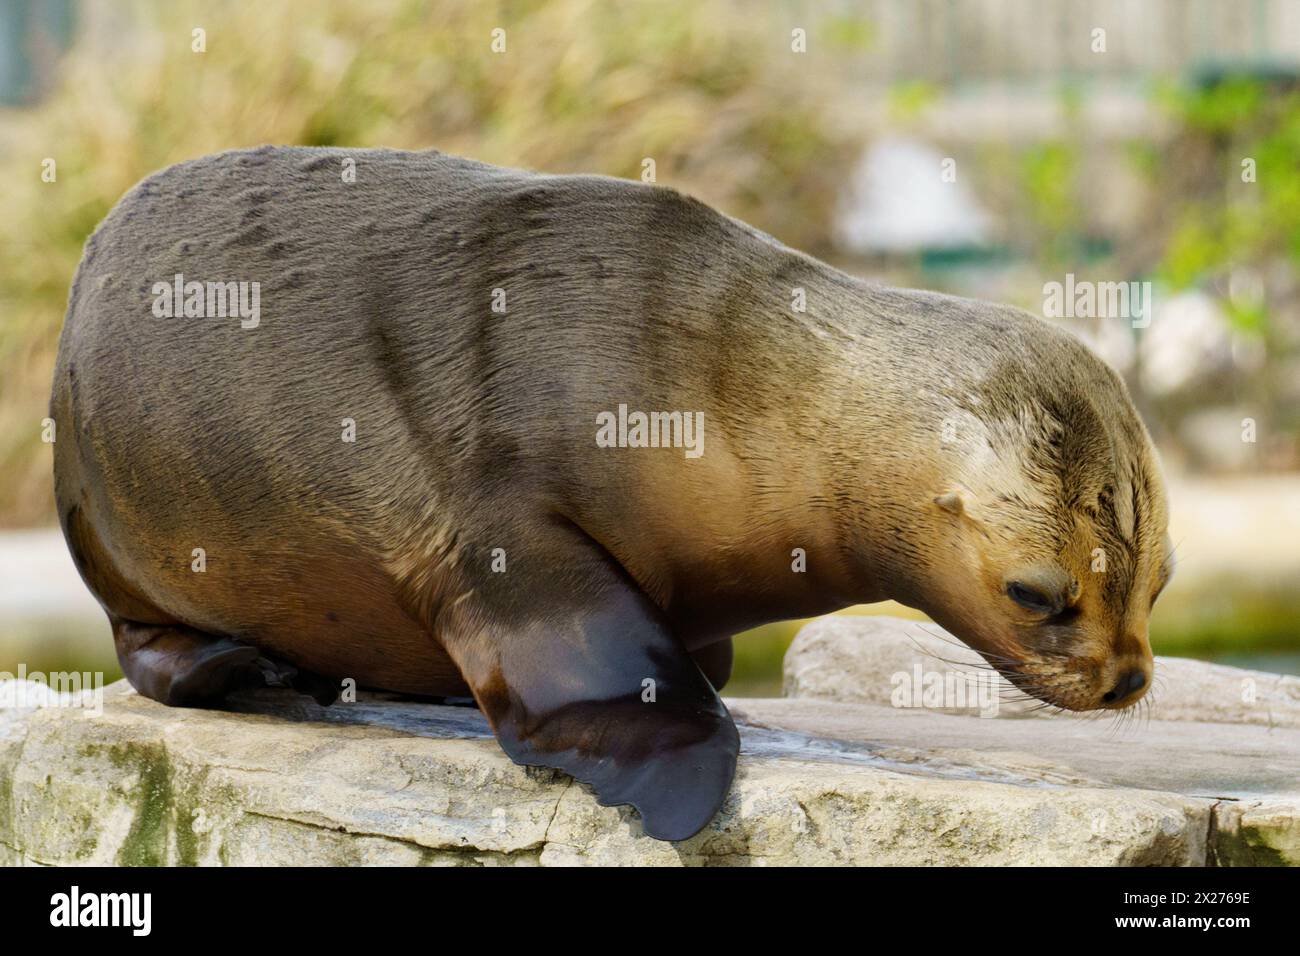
point(953, 40)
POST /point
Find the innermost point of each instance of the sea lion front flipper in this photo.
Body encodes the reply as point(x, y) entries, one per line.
point(600, 689)
point(715, 660)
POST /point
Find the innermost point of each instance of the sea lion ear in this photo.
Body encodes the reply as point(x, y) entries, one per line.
point(954, 501)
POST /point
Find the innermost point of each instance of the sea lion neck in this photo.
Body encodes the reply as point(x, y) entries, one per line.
point(822, 414)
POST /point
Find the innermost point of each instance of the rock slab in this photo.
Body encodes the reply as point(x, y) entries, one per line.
point(831, 775)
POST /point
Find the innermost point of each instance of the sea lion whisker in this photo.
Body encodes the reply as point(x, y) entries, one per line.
point(960, 665)
point(958, 644)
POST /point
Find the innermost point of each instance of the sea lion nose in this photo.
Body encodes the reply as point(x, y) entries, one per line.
point(1129, 683)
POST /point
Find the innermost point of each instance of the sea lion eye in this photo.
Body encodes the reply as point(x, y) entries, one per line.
point(1030, 598)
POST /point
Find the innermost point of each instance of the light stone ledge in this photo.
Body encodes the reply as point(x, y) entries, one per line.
point(830, 775)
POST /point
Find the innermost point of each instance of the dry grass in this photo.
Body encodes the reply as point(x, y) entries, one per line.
point(710, 90)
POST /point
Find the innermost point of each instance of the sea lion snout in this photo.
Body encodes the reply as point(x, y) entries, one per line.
point(1130, 687)
point(1127, 677)
point(1077, 656)
point(1057, 632)
point(1071, 666)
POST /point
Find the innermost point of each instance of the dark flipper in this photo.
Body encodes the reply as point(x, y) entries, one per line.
point(715, 660)
point(182, 667)
point(596, 686)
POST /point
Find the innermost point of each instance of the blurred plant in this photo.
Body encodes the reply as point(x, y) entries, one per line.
point(1048, 172)
point(711, 91)
point(1226, 205)
point(1052, 221)
point(1226, 220)
point(909, 100)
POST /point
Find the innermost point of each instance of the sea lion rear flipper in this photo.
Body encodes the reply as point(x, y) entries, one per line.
point(182, 667)
point(603, 691)
point(177, 665)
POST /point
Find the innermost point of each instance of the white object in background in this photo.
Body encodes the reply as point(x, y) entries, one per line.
point(38, 578)
point(898, 201)
point(1188, 335)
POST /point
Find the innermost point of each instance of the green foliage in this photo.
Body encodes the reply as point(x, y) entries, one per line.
point(909, 100)
point(1231, 221)
point(1048, 173)
point(849, 32)
point(1192, 251)
point(1220, 109)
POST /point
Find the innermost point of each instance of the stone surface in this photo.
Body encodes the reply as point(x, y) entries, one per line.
point(278, 780)
point(857, 659)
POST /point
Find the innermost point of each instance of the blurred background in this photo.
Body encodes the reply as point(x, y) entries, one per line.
point(1165, 148)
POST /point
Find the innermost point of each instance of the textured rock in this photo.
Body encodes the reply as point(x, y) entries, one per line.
point(278, 780)
point(856, 659)
point(393, 782)
point(1262, 833)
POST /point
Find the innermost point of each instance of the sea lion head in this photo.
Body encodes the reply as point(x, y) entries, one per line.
point(1047, 541)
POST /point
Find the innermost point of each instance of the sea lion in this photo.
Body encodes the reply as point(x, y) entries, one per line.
point(500, 343)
